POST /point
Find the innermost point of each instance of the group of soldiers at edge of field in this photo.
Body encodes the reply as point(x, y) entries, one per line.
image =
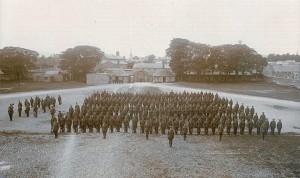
point(35, 104)
point(183, 112)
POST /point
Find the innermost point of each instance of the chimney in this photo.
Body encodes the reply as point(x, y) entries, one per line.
point(117, 53)
point(118, 64)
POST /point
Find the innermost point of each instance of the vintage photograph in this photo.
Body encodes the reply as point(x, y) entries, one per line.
point(149, 88)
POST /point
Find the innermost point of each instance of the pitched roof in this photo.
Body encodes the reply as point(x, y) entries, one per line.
point(149, 66)
point(121, 62)
point(163, 73)
point(286, 68)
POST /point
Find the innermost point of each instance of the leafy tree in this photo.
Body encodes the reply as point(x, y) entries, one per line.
point(150, 58)
point(178, 51)
point(80, 60)
point(16, 61)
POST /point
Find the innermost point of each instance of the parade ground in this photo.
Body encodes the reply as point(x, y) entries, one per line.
point(27, 149)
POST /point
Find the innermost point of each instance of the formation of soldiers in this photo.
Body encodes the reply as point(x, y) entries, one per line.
point(186, 113)
point(34, 104)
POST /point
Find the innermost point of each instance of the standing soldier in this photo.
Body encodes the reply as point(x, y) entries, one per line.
point(126, 124)
point(90, 123)
point(43, 105)
point(279, 126)
point(171, 136)
point(55, 128)
point(10, 111)
point(134, 124)
point(71, 111)
point(235, 126)
point(263, 130)
point(31, 102)
point(68, 122)
point(220, 129)
point(61, 121)
point(242, 127)
point(53, 119)
point(35, 110)
point(20, 108)
point(147, 129)
point(273, 126)
point(255, 120)
point(52, 110)
point(176, 125)
point(27, 109)
point(59, 99)
point(228, 126)
point(156, 126)
point(97, 123)
point(75, 124)
point(206, 125)
point(163, 126)
point(267, 125)
point(104, 129)
point(184, 130)
point(250, 126)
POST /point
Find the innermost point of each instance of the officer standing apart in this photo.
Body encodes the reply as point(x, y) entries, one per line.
point(10, 111)
point(171, 136)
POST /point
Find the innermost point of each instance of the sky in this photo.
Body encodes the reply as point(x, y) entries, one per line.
point(147, 26)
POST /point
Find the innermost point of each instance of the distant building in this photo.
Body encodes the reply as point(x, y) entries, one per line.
point(283, 73)
point(49, 76)
point(97, 78)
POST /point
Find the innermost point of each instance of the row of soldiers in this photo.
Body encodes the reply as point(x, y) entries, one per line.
point(184, 112)
point(34, 104)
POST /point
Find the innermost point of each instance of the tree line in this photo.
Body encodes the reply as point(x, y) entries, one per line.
point(196, 59)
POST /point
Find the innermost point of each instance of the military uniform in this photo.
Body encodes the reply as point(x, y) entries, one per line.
point(10, 111)
point(279, 126)
point(171, 136)
point(273, 126)
point(220, 129)
point(55, 129)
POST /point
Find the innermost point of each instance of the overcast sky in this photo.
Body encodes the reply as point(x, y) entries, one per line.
point(148, 26)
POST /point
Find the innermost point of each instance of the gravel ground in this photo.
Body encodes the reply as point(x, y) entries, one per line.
point(28, 150)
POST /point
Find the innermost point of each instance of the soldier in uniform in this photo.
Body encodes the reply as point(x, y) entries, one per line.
point(97, 123)
point(61, 121)
point(31, 102)
point(206, 126)
point(184, 130)
point(20, 108)
point(35, 110)
point(279, 126)
point(104, 129)
point(273, 126)
point(250, 126)
point(10, 111)
point(242, 127)
point(176, 125)
point(228, 126)
point(235, 126)
point(156, 126)
point(52, 110)
point(220, 129)
point(68, 122)
point(59, 100)
point(134, 124)
point(126, 124)
point(163, 126)
point(27, 109)
point(52, 122)
point(75, 124)
point(171, 136)
point(90, 124)
point(263, 130)
point(267, 125)
point(55, 128)
point(147, 129)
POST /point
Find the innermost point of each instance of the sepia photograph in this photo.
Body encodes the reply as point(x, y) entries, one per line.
point(149, 88)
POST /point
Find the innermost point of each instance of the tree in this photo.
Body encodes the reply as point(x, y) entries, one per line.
point(16, 61)
point(178, 51)
point(80, 60)
point(150, 58)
